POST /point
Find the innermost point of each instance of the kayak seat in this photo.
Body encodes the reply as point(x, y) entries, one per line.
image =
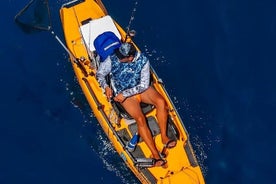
point(100, 40)
point(146, 108)
point(92, 29)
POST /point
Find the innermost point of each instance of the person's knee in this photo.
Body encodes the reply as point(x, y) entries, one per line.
point(161, 103)
point(141, 121)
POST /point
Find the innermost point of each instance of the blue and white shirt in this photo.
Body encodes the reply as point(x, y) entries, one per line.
point(128, 78)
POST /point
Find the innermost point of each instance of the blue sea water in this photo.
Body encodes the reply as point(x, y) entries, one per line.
point(217, 59)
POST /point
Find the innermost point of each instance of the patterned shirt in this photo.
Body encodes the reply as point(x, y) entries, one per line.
point(128, 78)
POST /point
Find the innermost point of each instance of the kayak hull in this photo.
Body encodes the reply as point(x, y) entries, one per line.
point(182, 166)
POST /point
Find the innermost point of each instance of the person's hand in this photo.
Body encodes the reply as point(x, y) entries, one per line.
point(108, 93)
point(120, 98)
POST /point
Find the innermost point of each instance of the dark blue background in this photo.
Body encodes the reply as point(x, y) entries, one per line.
point(217, 59)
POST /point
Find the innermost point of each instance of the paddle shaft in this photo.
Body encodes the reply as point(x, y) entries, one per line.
point(71, 55)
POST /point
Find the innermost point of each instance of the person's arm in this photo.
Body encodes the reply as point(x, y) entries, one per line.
point(144, 82)
point(103, 70)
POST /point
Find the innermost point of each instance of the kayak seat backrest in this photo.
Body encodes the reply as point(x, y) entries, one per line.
point(105, 44)
point(91, 29)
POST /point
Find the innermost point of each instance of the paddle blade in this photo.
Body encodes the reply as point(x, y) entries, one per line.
point(34, 17)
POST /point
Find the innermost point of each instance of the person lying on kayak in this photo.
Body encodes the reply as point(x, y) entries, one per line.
point(130, 75)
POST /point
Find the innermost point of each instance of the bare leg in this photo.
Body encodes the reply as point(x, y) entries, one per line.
point(151, 96)
point(132, 106)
